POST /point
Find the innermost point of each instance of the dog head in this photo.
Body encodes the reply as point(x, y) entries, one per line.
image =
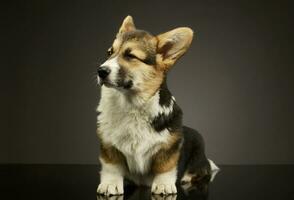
point(137, 61)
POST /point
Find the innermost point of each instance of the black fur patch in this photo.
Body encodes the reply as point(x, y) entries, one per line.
point(137, 34)
point(164, 94)
point(121, 76)
point(193, 159)
point(150, 58)
point(172, 121)
point(164, 50)
point(127, 54)
point(122, 82)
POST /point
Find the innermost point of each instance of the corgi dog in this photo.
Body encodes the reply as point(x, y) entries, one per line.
point(140, 129)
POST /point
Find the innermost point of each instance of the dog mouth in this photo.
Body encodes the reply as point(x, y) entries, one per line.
point(119, 85)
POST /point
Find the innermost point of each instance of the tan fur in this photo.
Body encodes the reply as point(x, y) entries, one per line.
point(167, 157)
point(109, 153)
point(162, 163)
point(150, 88)
point(138, 53)
point(116, 45)
point(172, 45)
point(127, 25)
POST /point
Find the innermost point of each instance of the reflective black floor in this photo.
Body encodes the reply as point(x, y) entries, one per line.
point(64, 182)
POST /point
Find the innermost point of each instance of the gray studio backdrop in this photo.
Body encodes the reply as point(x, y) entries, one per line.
point(235, 84)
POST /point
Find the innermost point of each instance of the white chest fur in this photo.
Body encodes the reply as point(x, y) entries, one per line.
point(127, 126)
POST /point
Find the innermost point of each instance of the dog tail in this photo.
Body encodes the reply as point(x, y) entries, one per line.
point(214, 169)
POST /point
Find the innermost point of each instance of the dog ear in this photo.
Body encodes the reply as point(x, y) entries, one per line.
point(127, 25)
point(173, 44)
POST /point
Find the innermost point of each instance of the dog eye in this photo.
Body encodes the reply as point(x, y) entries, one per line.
point(128, 55)
point(131, 56)
point(109, 52)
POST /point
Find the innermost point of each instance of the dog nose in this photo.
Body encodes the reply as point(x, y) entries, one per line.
point(103, 72)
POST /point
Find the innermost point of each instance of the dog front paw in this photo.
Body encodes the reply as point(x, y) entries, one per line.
point(163, 188)
point(113, 188)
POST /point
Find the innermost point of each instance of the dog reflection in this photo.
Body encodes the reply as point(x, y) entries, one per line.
point(116, 197)
point(166, 197)
point(197, 190)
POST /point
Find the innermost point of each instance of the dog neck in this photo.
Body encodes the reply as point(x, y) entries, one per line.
point(161, 100)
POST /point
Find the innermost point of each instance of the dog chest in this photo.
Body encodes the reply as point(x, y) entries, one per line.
point(131, 133)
